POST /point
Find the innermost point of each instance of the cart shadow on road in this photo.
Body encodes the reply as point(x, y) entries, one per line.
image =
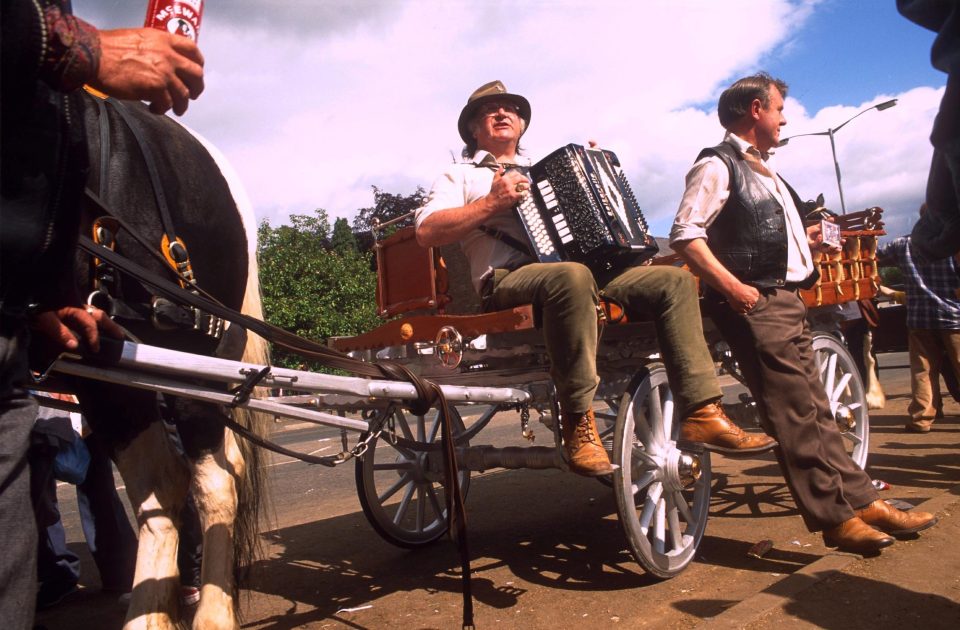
point(524, 528)
point(751, 498)
point(546, 528)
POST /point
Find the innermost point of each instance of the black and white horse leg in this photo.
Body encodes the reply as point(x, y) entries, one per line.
point(156, 478)
point(217, 467)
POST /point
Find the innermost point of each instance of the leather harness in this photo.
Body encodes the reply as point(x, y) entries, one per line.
point(203, 306)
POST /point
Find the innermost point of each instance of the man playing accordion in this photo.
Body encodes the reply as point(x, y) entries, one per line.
point(473, 202)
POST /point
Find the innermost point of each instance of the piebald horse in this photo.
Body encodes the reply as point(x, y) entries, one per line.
point(191, 196)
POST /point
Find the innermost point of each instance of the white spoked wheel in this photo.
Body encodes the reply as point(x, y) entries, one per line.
point(401, 488)
point(848, 404)
point(662, 492)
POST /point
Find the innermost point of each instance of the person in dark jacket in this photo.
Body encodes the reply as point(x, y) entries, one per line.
point(46, 56)
point(739, 229)
point(937, 234)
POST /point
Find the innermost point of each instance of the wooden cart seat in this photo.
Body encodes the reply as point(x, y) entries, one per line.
point(414, 281)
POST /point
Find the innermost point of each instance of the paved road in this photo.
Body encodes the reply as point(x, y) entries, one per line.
point(547, 548)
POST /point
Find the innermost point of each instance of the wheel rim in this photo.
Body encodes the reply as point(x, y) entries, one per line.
point(663, 522)
point(401, 489)
point(844, 388)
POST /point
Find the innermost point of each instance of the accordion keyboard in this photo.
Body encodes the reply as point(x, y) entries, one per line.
point(581, 209)
point(533, 223)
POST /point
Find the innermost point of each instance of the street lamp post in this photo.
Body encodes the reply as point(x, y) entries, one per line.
point(833, 145)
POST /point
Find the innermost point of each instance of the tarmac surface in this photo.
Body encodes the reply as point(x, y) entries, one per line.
point(548, 551)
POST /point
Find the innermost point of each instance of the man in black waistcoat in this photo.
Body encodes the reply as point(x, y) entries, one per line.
point(739, 229)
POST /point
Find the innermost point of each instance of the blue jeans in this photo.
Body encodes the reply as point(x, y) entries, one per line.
point(111, 539)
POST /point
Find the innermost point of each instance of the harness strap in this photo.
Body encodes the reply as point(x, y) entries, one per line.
point(173, 248)
point(104, 144)
point(175, 253)
point(160, 257)
point(104, 230)
point(173, 292)
point(151, 164)
point(430, 392)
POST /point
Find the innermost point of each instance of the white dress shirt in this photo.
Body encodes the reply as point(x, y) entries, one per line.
point(464, 183)
point(708, 188)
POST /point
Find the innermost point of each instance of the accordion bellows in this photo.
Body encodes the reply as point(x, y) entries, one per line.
point(582, 209)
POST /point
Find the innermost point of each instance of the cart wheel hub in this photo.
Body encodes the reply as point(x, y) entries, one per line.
point(680, 469)
point(688, 469)
point(846, 419)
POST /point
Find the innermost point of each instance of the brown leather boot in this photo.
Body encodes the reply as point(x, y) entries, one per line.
point(710, 425)
point(887, 518)
point(585, 454)
point(857, 537)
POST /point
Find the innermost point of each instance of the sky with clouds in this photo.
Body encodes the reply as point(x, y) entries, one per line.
point(314, 102)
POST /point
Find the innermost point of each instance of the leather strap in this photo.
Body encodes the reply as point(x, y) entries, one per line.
point(502, 236)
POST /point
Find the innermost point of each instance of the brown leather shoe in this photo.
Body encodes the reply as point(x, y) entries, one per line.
point(711, 426)
point(585, 453)
point(887, 518)
point(856, 536)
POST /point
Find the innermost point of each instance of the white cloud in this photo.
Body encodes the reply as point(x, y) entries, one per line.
point(316, 101)
point(883, 156)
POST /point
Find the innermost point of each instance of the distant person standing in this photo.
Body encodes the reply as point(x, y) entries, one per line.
point(933, 322)
point(106, 527)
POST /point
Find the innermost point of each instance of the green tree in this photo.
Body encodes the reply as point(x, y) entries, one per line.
point(314, 283)
point(386, 207)
point(891, 277)
point(343, 241)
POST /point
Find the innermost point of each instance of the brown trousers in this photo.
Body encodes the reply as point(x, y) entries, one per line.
point(927, 350)
point(773, 346)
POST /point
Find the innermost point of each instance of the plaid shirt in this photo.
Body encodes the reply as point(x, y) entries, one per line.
point(932, 298)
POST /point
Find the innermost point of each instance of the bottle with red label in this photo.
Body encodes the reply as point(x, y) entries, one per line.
point(180, 17)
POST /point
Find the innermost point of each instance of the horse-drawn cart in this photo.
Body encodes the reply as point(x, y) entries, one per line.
point(492, 363)
point(662, 486)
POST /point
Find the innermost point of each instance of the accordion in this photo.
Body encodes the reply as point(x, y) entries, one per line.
point(581, 209)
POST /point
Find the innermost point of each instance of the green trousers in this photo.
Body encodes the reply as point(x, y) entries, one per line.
point(567, 295)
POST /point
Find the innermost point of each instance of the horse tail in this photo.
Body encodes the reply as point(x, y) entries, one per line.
point(252, 490)
point(251, 484)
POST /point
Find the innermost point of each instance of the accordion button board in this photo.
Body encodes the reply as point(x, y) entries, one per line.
point(536, 230)
point(581, 208)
